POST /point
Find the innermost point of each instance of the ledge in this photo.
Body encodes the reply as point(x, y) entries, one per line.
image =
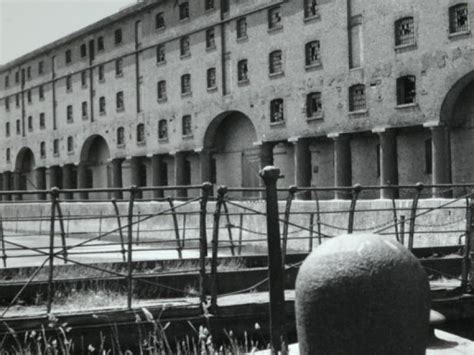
point(314, 66)
point(101, 81)
point(121, 146)
point(162, 100)
point(121, 109)
point(102, 113)
point(163, 140)
point(85, 117)
point(185, 56)
point(278, 123)
point(212, 89)
point(119, 75)
point(243, 82)
point(188, 136)
point(308, 19)
point(406, 106)
point(187, 94)
point(160, 29)
point(211, 49)
point(275, 29)
point(159, 64)
point(405, 47)
point(359, 113)
point(242, 39)
point(459, 34)
point(276, 75)
point(315, 118)
point(141, 143)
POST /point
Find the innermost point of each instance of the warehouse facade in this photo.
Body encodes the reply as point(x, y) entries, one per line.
point(334, 92)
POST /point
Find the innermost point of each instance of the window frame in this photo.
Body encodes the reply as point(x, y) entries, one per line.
point(160, 21)
point(357, 103)
point(311, 9)
point(242, 76)
point(241, 28)
point(120, 135)
point(272, 23)
point(277, 111)
point(454, 27)
point(102, 106)
point(120, 101)
point(406, 90)
point(273, 65)
point(68, 56)
point(140, 133)
point(185, 47)
point(184, 11)
point(70, 144)
point(186, 88)
point(312, 113)
point(118, 36)
point(119, 67)
point(309, 62)
point(162, 129)
point(186, 126)
point(403, 39)
point(100, 43)
point(69, 114)
point(211, 78)
point(161, 90)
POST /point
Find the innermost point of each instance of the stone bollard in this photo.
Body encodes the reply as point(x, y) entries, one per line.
point(362, 294)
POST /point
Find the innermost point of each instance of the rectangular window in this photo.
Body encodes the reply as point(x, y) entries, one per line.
point(211, 78)
point(120, 136)
point(68, 56)
point(357, 100)
point(276, 111)
point(118, 67)
point(210, 39)
point(159, 21)
point(8, 155)
point(313, 54)
point(241, 28)
point(28, 73)
point(161, 88)
point(43, 150)
point(378, 155)
point(428, 156)
point(310, 8)
point(242, 71)
point(119, 101)
point(70, 117)
point(162, 129)
point(184, 46)
point(41, 92)
point(30, 123)
point(28, 96)
point(83, 50)
point(101, 72)
point(17, 77)
point(406, 90)
point(458, 18)
point(7, 129)
point(141, 133)
point(84, 109)
point(7, 103)
point(68, 83)
point(118, 36)
point(276, 63)
point(17, 100)
point(70, 144)
point(40, 67)
point(56, 147)
point(160, 54)
point(7, 81)
point(225, 6)
point(186, 84)
point(209, 5)
point(186, 125)
point(313, 105)
point(184, 11)
point(84, 78)
point(102, 105)
point(42, 121)
point(405, 31)
point(100, 43)
point(18, 127)
point(274, 18)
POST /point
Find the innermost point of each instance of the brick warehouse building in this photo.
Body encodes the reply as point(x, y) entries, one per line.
point(333, 92)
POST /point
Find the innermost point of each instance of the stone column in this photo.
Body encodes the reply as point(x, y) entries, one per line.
point(41, 182)
point(342, 164)
point(266, 154)
point(179, 167)
point(68, 180)
point(302, 164)
point(82, 180)
point(441, 160)
point(388, 161)
point(135, 173)
point(17, 185)
point(156, 178)
point(117, 181)
point(205, 165)
point(53, 176)
point(6, 185)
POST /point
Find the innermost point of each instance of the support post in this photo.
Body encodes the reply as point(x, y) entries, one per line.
point(82, 180)
point(119, 223)
point(157, 179)
point(41, 182)
point(270, 175)
point(291, 195)
point(441, 161)
point(68, 180)
point(133, 192)
point(117, 182)
point(355, 194)
point(342, 164)
point(179, 171)
point(176, 228)
point(414, 206)
point(467, 283)
point(54, 198)
point(221, 191)
point(17, 185)
point(302, 168)
point(7, 185)
point(388, 162)
point(206, 190)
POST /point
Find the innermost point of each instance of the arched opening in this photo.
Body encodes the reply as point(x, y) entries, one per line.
point(457, 113)
point(94, 159)
point(25, 166)
point(235, 160)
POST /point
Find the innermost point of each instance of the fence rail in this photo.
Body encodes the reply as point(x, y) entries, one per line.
point(131, 229)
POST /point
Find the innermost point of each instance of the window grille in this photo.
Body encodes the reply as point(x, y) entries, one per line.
point(357, 100)
point(458, 18)
point(405, 31)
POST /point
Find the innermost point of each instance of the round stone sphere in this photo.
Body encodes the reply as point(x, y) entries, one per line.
point(362, 294)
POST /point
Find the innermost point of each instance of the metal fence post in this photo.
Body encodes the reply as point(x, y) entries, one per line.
point(356, 189)
point(291, 195)
point(466, 284)
point(270, 175)
point(176, 227)
point(414, 206)
point(119, 223)
point(402, 229)
point(221, 191)
point(206, 190)
point(54, 197)
point(62, 229)
point(2, 237)
point(229, 226)
point(133, 193)
point(311, 231)
point(241, 232)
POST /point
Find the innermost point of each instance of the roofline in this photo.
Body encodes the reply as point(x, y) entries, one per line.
point(121, 14)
